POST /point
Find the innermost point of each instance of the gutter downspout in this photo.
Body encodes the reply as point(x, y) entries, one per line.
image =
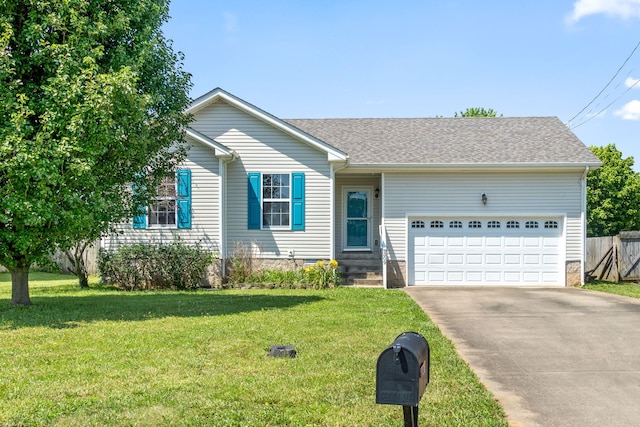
point(583, 185)
point(222, 203)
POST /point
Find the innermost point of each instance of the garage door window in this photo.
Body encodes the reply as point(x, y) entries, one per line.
point(493, 224)
point(551, 224)
point(437, 224)
point(531, 224)
point(455, 224)
point(475, 224)
point(417, 224)
point(513, 224)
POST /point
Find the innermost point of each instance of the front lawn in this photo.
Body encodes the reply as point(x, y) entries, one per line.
point(103, 357)
point(624, 289)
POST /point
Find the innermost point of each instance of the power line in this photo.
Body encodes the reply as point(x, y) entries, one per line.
point(608, 105)
point(605, 86)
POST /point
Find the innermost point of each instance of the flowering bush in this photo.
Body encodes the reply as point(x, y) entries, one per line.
point(322, 275)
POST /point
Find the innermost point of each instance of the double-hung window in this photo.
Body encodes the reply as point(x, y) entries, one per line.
point(276, 201)
point(172, 206)
point(162, 213)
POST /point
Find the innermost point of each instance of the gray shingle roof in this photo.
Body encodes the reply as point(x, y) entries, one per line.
point(431, 141)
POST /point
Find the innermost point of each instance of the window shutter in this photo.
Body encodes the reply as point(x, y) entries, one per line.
point(183, 180)
point(140, 220)
point(297, 201)
point(253, 201)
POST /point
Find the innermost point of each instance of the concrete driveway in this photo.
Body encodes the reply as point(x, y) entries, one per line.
point(551, 356)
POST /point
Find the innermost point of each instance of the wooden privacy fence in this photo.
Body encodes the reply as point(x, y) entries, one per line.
point(614, 258)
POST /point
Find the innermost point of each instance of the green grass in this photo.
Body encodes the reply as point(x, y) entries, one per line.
point(102, 357)
point(624, 289)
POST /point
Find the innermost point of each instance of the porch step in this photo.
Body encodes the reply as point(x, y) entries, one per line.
point(363, 269)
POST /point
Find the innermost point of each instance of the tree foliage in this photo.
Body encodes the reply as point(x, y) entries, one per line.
point(477, 112)
point(91, 102)
point(613, 194)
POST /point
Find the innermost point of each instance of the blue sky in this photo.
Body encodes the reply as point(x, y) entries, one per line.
point(411, 58)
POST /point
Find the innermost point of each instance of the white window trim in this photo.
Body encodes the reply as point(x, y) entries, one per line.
point(175, 217)
point(263, 200)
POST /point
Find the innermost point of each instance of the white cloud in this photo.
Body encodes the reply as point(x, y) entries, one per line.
point(624, 9)
point(231, 22)
point(630, 111)
point(631, 82)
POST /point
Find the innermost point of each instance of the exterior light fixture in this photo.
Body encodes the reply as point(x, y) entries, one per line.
point(377, 192)
point(484, 198)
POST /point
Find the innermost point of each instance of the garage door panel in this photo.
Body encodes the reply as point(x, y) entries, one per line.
point(436, 276)
point(532, 242)
point(474, 241)
point(493, 276)
point(436, 241)
point(531, 259)
point(455, 276)
point(512, 277)
point(437, 259)
point(512, 259)
point(474, 276)
point(490, 251)
point(493, 259)
point(474, 259)
point(455, 259)
point(531, 276)
point(513, 242)
point(493, 241)
point(455, 242)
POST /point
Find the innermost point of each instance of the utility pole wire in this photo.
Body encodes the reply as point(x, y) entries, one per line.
point(606, 86)
point(608, 105)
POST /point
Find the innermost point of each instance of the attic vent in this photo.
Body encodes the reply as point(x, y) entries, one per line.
point(417, 224)
point(531, 224)
point(437, 224)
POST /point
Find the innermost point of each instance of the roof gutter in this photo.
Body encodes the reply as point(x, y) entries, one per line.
point(470, 166)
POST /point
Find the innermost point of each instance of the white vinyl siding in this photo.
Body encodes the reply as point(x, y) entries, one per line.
point(514, 194)
point(205, 218)
point(262, 148)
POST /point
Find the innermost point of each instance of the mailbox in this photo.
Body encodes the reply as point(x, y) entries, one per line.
point(402, 371)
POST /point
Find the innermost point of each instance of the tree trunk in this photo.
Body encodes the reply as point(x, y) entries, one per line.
point(79, 267)
point(20, 283)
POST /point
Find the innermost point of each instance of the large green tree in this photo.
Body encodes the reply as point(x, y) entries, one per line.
point(613, 194)
point(477, 112)
point(91, 102)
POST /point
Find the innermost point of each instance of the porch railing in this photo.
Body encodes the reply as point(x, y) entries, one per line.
point(384, 254)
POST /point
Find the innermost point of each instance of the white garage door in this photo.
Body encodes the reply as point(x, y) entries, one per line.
point(485, 251)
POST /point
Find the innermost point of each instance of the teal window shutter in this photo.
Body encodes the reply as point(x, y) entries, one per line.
point(140, 220)
point(297, 201)
point(183, 201)
point(253, 201)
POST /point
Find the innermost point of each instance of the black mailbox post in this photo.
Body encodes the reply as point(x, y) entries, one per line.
point(402, 374)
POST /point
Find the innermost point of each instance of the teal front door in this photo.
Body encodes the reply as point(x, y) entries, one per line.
point(357, 219)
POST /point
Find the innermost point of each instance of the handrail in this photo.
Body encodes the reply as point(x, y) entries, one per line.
point(384, 252)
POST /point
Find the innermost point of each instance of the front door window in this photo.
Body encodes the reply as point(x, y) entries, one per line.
point(358, 218)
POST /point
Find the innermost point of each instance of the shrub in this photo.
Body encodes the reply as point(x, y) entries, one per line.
point(241, 263)
point(322, 275)
point(317, 276)
point(166, 266)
